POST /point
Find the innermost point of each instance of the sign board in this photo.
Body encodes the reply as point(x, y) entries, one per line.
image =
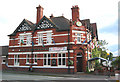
point(57, 48)
point(79, 28)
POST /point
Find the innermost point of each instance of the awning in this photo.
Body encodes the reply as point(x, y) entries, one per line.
point(96, 58)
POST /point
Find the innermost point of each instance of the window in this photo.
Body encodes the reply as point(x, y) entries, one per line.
point(27, 58)
point(28, 42)
point(16, 59)
point(49, 37)
point(78, 37)
point(21, 40)
point(35, 58)
point(3, 61)
point(40, 38)
point(61, 59)
point(47, 60)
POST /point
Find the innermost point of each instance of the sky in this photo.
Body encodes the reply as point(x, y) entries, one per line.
point(103, 12)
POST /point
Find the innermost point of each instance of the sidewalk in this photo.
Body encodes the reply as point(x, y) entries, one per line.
point(78, 75)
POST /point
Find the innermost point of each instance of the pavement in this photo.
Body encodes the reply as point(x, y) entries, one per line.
point(78, 75)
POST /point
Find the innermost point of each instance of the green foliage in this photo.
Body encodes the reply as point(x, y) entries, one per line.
point(101, 51)
point(116, 63)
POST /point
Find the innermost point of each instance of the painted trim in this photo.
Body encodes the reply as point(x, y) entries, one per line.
point(73, 31)
point(42, 58)
point(45, 31)
point(40, 52)
point(61, 35)
point(41, 66)
point(25, 33)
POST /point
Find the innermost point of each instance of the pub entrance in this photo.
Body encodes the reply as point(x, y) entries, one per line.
point(79, 62)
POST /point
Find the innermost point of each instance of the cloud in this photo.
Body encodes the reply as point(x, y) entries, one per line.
point(111, 38)
point(116, 53)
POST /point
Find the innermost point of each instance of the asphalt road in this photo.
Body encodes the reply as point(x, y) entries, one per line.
point(17, 77)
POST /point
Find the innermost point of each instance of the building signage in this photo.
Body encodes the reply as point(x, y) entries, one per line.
point(79, 28)
point(57, 48)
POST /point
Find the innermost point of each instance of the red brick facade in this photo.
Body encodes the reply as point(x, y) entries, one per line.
point(53, 57)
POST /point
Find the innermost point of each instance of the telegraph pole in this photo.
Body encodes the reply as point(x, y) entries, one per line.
point(68, 51)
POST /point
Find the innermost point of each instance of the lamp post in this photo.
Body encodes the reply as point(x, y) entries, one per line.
point(108, 64)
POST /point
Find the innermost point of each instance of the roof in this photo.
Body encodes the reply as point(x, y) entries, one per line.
point(90, 26)
point(61, 23)
point(3, 50)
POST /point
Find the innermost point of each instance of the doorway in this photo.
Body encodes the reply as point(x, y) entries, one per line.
point(79, 63)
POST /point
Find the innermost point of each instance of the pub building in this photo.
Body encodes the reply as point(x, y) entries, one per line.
point(52, 44)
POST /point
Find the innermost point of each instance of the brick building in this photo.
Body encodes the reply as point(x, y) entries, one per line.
point(54, 44)
point(4, 57)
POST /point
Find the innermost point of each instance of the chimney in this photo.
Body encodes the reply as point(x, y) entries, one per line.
point(75, 12)
point(39, 13)
point(51, 16)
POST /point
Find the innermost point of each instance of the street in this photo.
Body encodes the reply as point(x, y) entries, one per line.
point(11, 77)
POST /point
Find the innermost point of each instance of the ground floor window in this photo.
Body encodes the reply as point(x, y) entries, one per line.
point(47, 60)
point(16, 59)
point(35, 58)
point(61, 59)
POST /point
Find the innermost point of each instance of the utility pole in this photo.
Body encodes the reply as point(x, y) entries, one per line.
point(32, 50)
point(68, 51)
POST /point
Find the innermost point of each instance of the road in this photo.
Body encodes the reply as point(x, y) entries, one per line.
point(35, 77)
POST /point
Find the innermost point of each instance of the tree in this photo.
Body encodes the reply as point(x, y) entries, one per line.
point(100, 50)
point(116, 63)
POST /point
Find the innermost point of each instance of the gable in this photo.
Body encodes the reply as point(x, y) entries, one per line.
point(45, 23)
point(24, 27)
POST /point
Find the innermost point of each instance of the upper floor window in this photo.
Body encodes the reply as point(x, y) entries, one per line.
point(78, 37)
point(21, 40)
point(40, 38)
point(28, 42)
point(49, 37)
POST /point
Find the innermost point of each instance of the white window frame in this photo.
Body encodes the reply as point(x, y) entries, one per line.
point(28, 42)
point(47, 58)
point(21, 38)
point(27, 58)
point(49, 37)
point(35, 58)
point(16, 60)
point(61, 58)
point(40, 38)
point(3, 61)
point(79, 37)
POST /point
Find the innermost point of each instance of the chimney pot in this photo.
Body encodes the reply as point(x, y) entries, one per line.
point(51, 16)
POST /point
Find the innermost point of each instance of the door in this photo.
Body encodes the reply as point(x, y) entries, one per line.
point(79, 64)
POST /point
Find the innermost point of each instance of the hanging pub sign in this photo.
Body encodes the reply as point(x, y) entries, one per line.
point(57, 48)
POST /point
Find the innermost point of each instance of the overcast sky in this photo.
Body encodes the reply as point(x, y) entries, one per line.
point(103, 12)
